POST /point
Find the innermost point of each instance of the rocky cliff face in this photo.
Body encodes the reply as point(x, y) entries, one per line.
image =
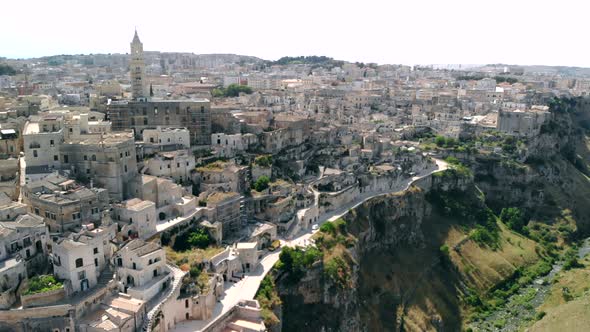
point(380, 226)
point(552, 174)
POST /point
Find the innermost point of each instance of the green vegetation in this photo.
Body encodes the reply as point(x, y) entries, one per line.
point(193, 256)
point(323, 61)
point(264, 160)
point(571, 260)
point(514, 218)
point(269, 299)
point(472, 212)
point(193, 238)
point(261, 184)
point(334, 233)
point(42, 284)
point(294, 261)
point(336, 269)
point(502, 79)
point(470, 78)
point(232, 90)
point(447, 142)
point(7, 70)
point(496, 297)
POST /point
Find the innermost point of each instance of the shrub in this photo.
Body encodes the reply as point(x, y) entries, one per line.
point(262, 183)
point(264, 161)
point(336, 269)
point(295, 261)
point(328, 227)
point(41, 284)
point(195, 237)
point(572, 263)
point(194, 272)
point(513, 218)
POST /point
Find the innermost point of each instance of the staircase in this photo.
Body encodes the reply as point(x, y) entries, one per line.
point(105, 277)
point(156, 303)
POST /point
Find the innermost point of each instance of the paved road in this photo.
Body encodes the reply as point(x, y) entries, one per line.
point(246, 288)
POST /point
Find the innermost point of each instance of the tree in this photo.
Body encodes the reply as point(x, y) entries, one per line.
point(7, 70)
point(234, 90)
point(440, 141)
point(513, 218)
point(261, 183)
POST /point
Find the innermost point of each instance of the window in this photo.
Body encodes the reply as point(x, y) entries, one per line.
point(88, 171)
point(145, 121)
point(125, 168)
point(27, 242)
point(134, 266)
point(155, 273)
point(85, 157)
point(76, 216)
point(186, 303)
point(96, 262)
point(95, 251)
point(55, 158)
point(93, 157)
point(37, 211)
point(79, 262)
point(202, 109)
point(51, 142)
point(81, 275)
point(35, 153)
point(66, 159)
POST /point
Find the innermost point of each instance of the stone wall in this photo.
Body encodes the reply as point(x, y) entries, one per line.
point(42, 299)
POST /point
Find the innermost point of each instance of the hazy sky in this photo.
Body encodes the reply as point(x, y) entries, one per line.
point(409, 32)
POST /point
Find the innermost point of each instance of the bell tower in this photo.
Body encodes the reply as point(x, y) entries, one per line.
point(137, 68)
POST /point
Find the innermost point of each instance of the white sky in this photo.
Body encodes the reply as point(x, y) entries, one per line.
point(387, 31)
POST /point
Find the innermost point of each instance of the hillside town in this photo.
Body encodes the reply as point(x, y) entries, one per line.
point(154, 191)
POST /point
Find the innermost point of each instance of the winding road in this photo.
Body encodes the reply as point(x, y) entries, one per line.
point(246, 288)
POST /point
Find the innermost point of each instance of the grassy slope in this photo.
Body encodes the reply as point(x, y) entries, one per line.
point(572, 316)
point(564, 315)
point(406, 286)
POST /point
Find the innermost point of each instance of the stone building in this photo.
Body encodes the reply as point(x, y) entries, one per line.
point(226, 208)
point(137, 68)
point(64, 203)
point(167, 138)
point(82, 257)
point(139, 115)
point(141, 269)
point(177, 165)
point(523, 123)
point(136, 218)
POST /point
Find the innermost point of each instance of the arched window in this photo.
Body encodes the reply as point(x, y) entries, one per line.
point(79, 262)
